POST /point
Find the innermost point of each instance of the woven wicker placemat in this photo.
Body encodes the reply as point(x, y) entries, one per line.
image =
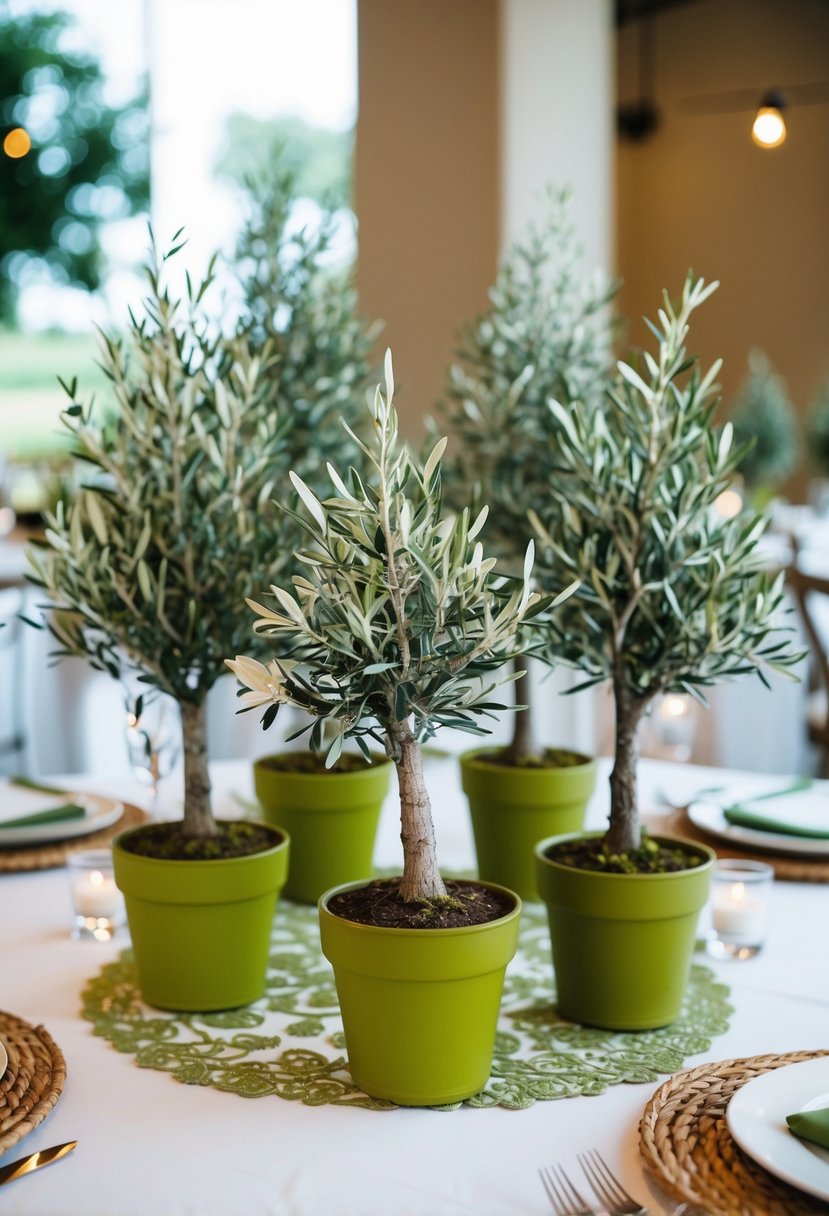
point(785, 865)
point(48, 856)
point(687, 1148)
point(33, 1080)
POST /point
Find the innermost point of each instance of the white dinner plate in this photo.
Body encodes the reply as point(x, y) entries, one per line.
point(756, 1118)
point(710, 817)
point(100, 813)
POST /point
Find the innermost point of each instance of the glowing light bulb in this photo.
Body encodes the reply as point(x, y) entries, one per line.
point(769, 127)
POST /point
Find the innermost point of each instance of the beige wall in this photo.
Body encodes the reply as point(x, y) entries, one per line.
point(699, 193)
point(426, 176)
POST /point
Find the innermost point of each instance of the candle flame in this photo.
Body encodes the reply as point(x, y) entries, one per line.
point(738, 892)
point(96, 878)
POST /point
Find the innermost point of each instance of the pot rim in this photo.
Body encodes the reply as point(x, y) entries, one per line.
point(140, 858)
point(379, 761)
point(472, 756)
point(421, 934)
point(693, 845)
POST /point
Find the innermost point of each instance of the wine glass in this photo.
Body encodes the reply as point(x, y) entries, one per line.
point(153, 735)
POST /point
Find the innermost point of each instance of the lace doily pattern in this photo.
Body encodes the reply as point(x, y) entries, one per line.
point(290, 1043)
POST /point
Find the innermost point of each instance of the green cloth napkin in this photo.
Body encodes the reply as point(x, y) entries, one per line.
point(26, 783)
point(744, 817)
point(811, 1125)
point(54, 814)
point(747, 815)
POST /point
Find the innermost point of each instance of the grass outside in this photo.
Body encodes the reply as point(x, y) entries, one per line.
point(31, 399)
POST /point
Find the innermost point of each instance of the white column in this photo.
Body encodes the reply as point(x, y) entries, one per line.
point(557, 128)
point(557, 107)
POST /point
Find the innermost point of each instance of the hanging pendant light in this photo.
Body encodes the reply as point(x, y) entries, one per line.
point(769, 127)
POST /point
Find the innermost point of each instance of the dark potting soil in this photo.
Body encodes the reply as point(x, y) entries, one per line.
point(310, 762)
point(168, 842)
point(651, 858)
point(379, 903)
point(551, 757)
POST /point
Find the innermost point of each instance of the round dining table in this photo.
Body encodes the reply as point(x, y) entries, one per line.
point(149, 1145)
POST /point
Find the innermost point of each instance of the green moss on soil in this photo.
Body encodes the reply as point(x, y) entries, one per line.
point(651, 858)
point(168, 842)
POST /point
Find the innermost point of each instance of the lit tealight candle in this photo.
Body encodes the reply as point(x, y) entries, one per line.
point(97, 904)
point(737, 913)
point(739, 905)
point(95, 894)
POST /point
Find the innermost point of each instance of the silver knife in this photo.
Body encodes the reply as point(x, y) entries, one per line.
point(34, 1161)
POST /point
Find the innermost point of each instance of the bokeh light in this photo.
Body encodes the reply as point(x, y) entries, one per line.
point(17, 143)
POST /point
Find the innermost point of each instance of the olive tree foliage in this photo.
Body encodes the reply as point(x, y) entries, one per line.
point(765, 426)
point(673, 597)
point(302, 306)
point(546, 334)
point(397, 626)
point(145, 567)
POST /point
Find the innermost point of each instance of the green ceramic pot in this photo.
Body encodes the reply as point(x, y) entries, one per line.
point(513, 808)
point(419, 1006)
point(330, 817)
point(622, 943)
point(201, 929)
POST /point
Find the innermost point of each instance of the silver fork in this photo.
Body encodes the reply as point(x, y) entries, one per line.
point(563, 1196)
point(610, 1191)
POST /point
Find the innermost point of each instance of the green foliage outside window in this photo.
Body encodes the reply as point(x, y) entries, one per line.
point(88, 164)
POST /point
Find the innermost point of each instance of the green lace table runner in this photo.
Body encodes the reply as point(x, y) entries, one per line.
point(290, 1043)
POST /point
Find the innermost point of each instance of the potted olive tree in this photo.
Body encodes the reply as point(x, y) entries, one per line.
point(672, 598)
point(546, 334)
point(302, 310)
point(765, 429)
point(397, 627)
point(143, 570)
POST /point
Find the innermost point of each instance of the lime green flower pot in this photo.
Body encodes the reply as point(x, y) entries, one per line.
point(622, 943)
point(330, 817)
point(513, 808)
point(419, 1006)
point(201, 929)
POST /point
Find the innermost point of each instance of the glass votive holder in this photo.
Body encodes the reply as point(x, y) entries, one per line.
point(739, 908)
point(97, 904)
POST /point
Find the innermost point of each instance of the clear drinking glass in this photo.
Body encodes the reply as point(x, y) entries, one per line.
point(740, 893)
point(97, 904)
point(153, 734)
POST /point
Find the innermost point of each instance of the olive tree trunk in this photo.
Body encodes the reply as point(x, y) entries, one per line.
point(421, 876)
point(198, 817)
point(624, 833)
point(523, 736)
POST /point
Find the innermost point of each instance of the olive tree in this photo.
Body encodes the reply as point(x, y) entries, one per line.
point(673, 597)
point(546, 334)
point(145, 567)
point(397, 626)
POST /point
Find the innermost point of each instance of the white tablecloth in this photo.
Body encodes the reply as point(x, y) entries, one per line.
point(149, 1146)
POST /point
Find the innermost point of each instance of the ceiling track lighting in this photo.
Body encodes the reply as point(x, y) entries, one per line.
point(768, 124)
